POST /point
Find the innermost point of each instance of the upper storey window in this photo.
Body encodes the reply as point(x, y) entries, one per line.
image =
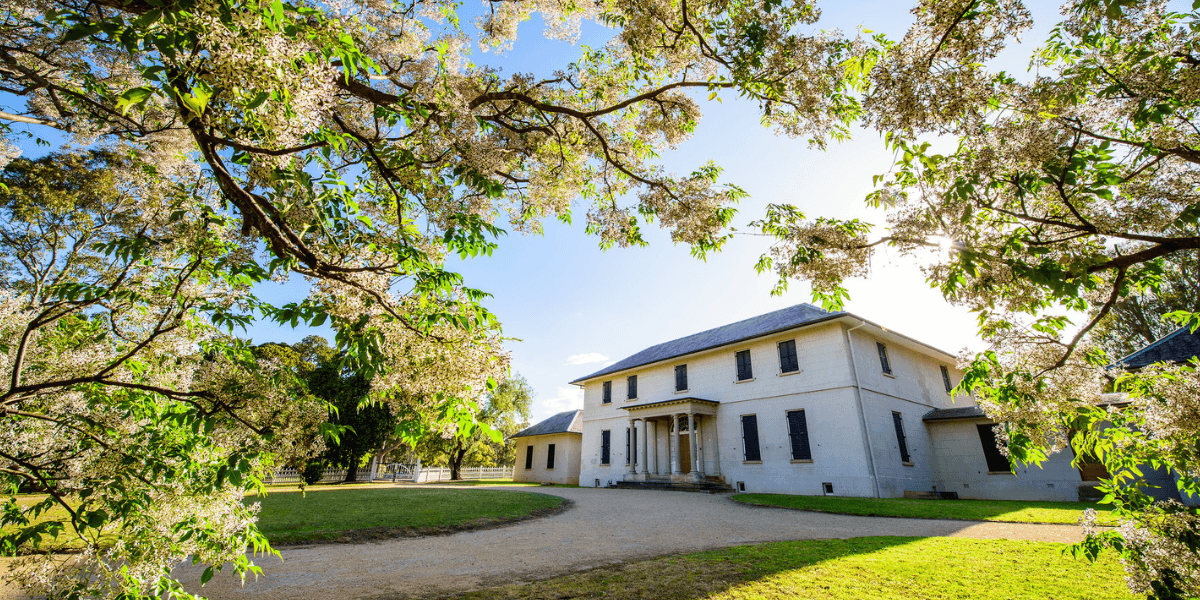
point(883, 358)
point(787, 357)
point(631, 386)
point(744, 370)
point(946, 379)
point(681, 378)
point(607, 392)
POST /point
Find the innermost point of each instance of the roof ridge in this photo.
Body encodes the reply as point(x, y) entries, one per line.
point(683, 349)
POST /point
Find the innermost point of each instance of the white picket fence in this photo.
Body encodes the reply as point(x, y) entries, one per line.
point(395, 472)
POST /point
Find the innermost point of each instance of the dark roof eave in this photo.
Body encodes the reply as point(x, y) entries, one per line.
point(525, 435)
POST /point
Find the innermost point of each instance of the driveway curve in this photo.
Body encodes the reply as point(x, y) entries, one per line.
point(604, 527)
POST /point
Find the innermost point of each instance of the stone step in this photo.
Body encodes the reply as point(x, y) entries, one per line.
point(709, 487)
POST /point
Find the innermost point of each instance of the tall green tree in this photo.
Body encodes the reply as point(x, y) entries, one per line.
point(364, 426)
point(504, 411)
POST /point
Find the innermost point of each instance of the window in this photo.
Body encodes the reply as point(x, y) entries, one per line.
point(750, 437)
point(898, 421)
point(744, 371)
point(787, 357)
point(798, 432)
point(631, 384)
point(605, 447)
point(607, 392)
point(883, 359)
point(996, 462)
point(528, 457)
point(946, 379)
point(681, 378)
point(549, 457)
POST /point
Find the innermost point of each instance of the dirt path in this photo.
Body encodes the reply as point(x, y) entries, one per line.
point(604, 527)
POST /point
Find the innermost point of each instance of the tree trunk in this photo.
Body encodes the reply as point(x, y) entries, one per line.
point(352, 472)
point(456, 459)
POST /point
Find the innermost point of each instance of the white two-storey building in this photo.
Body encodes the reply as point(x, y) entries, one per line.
point(800, 401)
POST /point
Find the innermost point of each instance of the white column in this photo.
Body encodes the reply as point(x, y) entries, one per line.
point(694, 441)
point(655, 462)
point(716, 448)
point(632, 441)
point(676, 468)
point(643, 449)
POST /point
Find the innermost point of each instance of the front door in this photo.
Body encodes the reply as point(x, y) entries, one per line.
point(685, 453)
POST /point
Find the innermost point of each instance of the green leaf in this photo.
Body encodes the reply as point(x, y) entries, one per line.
point(133, 97)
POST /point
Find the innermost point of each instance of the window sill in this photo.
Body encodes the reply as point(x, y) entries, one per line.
point(799, 461)
point(550, 468)
point(1002, 473)
point(908, 464)
point(631, 399)
point(606, 464)
point(744, 380)
point(751, 462)
point(893, 376)
point(682, 391)
point(781, 374)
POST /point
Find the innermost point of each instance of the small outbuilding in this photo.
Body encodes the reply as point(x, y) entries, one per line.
point(549, 451)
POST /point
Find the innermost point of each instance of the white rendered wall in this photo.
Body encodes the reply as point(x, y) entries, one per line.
point(566, 458)
point(824, 389)
point(962, 468)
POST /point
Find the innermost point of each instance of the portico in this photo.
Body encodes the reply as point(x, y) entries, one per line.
point(684, 458)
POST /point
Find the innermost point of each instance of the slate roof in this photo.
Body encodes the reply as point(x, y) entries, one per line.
point(1180, 346)
point(780, 320)
point(570, 421)
point(950, 414)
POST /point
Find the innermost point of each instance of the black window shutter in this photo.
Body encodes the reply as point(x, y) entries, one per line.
point(946, 379)
point(680, 378)
point(787, 357)
point(883, 358)
point(528, 457)
point(898, 421)
point(550, 456)
point(632, 386)
point(744, 370)
point(605, 447)
point(627, 438)
point(750, 437)
point(798, 430)
point(633, 434)
point(991, 451)
point(607, 392)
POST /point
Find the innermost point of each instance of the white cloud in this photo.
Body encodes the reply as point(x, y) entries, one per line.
point(584, 359)
point(569, 398)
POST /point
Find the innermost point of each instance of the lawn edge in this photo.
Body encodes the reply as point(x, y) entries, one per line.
point(878, 516)
point(383, 534)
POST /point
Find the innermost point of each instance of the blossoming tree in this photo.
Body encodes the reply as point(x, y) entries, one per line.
point(1071, 190)
point(211, 145)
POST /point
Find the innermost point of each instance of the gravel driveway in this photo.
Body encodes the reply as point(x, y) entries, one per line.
point(604, 527)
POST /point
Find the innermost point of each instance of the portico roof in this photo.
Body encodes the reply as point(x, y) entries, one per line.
point(675, 405)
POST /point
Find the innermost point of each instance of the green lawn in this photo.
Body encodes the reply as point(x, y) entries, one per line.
point(1012, 511)
point(327, 513)
point(879, 568)
point(363, 512)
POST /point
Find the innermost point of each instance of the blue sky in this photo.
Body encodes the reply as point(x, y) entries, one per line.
point(574, 308)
